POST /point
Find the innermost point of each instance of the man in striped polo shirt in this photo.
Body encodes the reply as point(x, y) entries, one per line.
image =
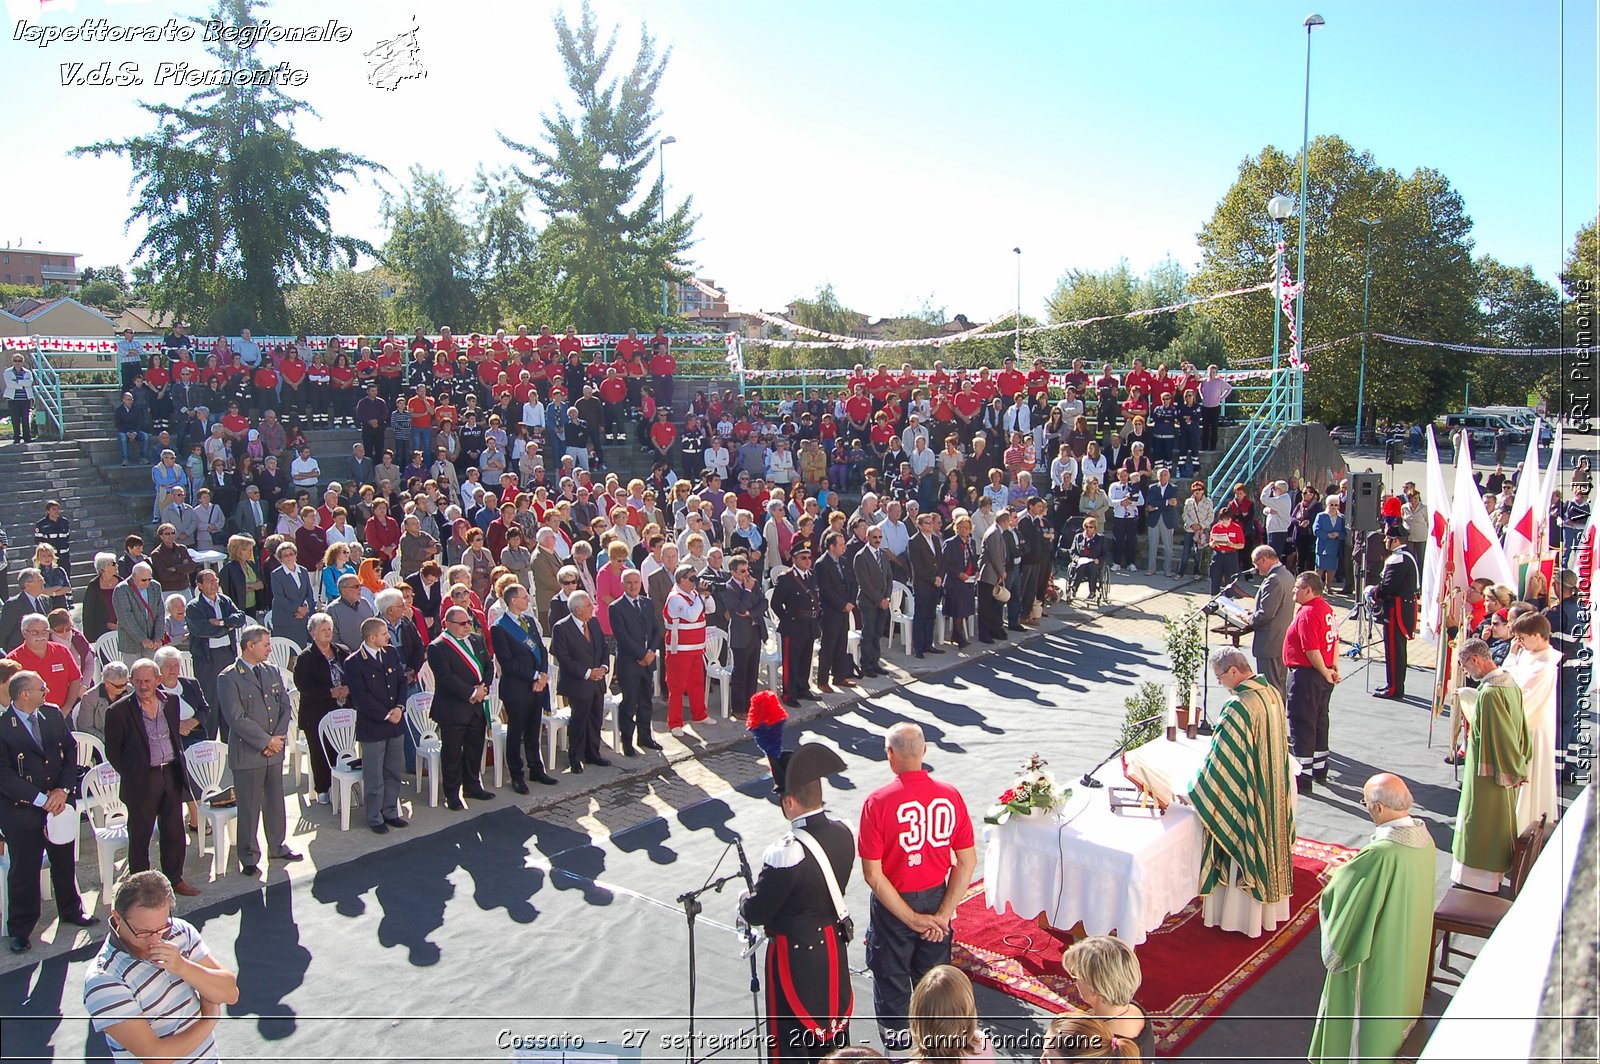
point(154, 990)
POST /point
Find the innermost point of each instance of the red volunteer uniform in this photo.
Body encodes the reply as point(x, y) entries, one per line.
point(1312, 631)
point(57, 669)
point(914, 825)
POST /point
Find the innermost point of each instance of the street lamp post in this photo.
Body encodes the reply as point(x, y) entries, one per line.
point(661, 157)
point(1017, 343)
point(1280, 208)
point(1311, 23)
point(1366, 303)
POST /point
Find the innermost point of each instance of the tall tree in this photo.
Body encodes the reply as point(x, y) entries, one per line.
point(1093, 294)
point(506, 261)
point(342, 301)
point(606, 246)
point(1424, 283)
point(1519, 310)
point(236, 206)
point(431, 249)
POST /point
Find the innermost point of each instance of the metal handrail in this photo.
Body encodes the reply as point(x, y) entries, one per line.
point(1248, 452)
point(47, 391)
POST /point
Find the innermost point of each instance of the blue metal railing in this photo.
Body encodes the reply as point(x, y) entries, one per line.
point(1278, 410)
point(47, 392)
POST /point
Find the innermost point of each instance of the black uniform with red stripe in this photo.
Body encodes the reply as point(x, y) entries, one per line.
point(798, 606)
point(809, 997)
point(1396, 594)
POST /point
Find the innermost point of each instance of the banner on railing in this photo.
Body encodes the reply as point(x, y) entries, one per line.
point(1058, 379)
point(204, 344)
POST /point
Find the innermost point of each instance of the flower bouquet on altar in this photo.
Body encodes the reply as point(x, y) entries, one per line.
point(1034, 793)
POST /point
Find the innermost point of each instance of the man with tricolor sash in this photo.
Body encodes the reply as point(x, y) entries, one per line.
point(461, 676)
point(1242, 796)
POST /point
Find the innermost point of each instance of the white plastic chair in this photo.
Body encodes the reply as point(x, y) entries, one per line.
point(185, 664)
point(497, 737)
point(206, 761)
point(337, 733)
point(425, 677)
point(297, 747)
point(772, 653)
point(284, 651)
point(902, 610)
point(109, 819)
point(105, 652)
point(716, 670)
point(430, 749)
point(45, 886)
point(555, 735)
point(91, 749)
point(853, 639)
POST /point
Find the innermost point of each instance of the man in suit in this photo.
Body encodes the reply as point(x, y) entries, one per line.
point(461, 676)
point(1271, 617)
point(212, 619)
point(636, 625)
point(546, 567)
point(798, 606)
point(874, 577)
point(255, 703)
point(1162, 507)
point(993, 554)
point(155, 781)
point(746, 608)
point(250, 517)
point(1014, 573)
point(927, 584)
point(38, 773)
point(579, 647)
point(836, 584)
point(377, 681)
point(524, 686)
point(136, 602)
point(28, 599)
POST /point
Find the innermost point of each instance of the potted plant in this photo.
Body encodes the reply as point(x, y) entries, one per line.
point(1146, 712)
point(1186, 648)
point(1034, 793)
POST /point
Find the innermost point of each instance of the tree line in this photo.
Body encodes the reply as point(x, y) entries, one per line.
point(237, 232)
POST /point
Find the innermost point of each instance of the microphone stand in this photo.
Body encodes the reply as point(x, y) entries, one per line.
point(1212, 606)
point(1088, 779)
point(692, 908)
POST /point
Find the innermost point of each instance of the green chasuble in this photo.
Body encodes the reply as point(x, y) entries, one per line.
point(1377, 928)
point(1241, 795)
point(1498, 753)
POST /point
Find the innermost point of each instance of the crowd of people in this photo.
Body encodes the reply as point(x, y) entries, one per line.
point(477, 545)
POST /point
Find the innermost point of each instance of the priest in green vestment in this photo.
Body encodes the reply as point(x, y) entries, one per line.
point(1499, 753)
point(1241, 794)
point(1377, 934)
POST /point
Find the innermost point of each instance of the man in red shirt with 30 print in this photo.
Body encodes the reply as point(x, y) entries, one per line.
point(918, 856)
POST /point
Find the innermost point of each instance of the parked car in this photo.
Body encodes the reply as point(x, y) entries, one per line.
point(1482, 429)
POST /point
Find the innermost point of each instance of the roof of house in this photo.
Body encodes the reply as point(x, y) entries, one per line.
point(29, 309)
point(145, 320)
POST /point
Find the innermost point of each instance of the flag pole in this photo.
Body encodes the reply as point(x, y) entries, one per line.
point(1442, 665)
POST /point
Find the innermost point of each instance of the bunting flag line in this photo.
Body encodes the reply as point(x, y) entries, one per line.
point(1511, 352)
point(940, 341)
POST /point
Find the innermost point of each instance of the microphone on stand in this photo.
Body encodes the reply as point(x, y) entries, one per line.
point(1088, 779)
point(751, 939)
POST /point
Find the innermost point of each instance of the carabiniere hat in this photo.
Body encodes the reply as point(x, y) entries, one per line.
point(809, 763)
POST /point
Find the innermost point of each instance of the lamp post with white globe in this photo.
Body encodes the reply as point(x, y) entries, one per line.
point(1280, 208)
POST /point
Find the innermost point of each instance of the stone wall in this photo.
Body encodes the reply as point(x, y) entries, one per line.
point(1305, 455)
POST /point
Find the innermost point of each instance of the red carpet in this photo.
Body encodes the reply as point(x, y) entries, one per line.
point(1191, 972)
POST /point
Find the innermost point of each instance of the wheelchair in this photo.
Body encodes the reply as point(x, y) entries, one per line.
point(1067, 566)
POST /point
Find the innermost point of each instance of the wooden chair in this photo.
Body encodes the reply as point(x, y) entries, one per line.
point(1476, 914)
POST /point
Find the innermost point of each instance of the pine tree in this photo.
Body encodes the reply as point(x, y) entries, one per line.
point(606, 248)
point(236, 205)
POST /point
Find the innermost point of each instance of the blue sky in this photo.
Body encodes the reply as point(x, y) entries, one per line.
point(899, 150)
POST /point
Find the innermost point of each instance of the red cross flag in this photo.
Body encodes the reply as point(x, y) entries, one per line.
point(1476, 550)
point(1435, 561)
